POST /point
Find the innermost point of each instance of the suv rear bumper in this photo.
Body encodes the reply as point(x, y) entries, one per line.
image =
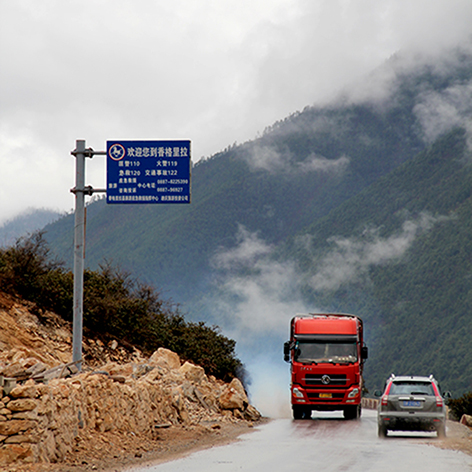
point(407, 422)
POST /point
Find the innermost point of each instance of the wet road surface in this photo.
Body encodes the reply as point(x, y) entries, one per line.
point(326, 443)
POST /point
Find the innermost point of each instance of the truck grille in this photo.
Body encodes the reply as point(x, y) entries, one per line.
point(328, 380)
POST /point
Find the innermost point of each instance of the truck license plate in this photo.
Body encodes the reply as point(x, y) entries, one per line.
point(326, 395)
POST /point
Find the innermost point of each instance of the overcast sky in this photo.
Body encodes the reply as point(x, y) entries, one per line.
point(212, 71)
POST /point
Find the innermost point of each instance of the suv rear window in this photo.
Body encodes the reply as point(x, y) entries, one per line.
point(411, 388)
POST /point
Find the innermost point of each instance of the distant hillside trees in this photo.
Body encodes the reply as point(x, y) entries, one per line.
point(115, 304)
point(26, 222)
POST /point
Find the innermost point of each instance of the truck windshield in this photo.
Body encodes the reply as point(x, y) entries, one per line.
point(320, 352)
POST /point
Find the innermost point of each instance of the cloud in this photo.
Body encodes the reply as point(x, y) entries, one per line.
point(259, 294)
point(266, 291)
point(213, 72)
point(316, 163)
point(440, 112)
point(350, 258)
point(248, 250)
point(362, 33)
point(257, 298)
point(437, 111)
point(380, 85)
point(268, 158)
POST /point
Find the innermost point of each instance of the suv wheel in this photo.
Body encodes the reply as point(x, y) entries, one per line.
point(382, 431)
point(441, 430)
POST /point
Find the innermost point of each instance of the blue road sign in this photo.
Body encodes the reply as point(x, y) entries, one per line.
point(148, 171)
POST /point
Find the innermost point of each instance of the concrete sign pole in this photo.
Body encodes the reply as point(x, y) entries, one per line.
point(79, 239)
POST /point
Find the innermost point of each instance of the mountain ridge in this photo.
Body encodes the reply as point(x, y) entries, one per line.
point(345, 177)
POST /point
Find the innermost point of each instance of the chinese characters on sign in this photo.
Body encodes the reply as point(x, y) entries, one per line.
point(148, 171)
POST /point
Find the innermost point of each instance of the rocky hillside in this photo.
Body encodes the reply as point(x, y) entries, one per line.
point(122, 404)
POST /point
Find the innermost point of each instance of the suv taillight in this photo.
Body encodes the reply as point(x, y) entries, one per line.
point(384, 399)
point(439, 400)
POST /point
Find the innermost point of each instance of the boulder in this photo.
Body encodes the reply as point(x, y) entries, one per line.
point(9, 428)
point(13, 370)
point(179, 404)
point(251, 414)
point(28, 390)
point(10, 453)
point(238, 386)
point(193, 373)
point(171, 359)
point(231, 399)
point(22, 404)
point(466, 420)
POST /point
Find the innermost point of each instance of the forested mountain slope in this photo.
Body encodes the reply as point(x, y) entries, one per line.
point(27, 222)
point(298, 171)
point(369, 199)
point(404, 248)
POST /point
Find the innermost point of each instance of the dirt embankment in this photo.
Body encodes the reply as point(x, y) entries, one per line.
point(122, 409)
point(117, 452)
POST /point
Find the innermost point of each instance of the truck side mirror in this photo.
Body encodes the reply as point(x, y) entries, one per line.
point(287, 351)
point(364, 352)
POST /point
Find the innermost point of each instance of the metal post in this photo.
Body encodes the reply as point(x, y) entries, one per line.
point(80, 190)
point(79, 238)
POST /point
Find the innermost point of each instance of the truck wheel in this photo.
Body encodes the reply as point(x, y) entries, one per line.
point(297, 412)
point(300, 413)
point(352, 412)
point(382, 431)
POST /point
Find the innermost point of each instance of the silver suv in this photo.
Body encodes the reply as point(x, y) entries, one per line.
point(411, 403)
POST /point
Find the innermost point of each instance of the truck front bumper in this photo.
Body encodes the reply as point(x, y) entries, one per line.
point(325, 398)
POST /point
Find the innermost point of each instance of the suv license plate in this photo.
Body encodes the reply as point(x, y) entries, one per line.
point(412, 403)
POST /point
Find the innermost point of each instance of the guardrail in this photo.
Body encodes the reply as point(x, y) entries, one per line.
point(370, 403)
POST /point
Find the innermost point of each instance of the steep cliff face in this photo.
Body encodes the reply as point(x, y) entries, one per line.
point(49, 412)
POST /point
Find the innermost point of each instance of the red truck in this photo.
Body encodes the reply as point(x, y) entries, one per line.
point(327, 355)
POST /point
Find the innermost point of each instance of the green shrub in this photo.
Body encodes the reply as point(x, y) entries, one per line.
point(460, 406)
point(27, 271)
point(115, 304)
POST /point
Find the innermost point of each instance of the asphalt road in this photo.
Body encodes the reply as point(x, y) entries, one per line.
point(326, 443)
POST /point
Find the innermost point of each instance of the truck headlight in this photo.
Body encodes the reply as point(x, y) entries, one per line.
point(354, 393)
point(297, 393)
